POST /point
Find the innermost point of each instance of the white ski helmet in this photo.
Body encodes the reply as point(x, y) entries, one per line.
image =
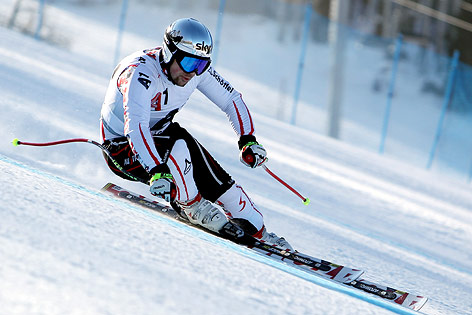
point(188, 42)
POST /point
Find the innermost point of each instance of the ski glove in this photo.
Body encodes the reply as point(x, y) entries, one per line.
point(252, 154)
point(162, 185)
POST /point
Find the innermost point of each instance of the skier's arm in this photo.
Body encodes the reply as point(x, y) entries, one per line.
point(136, 89)
point(229, 100)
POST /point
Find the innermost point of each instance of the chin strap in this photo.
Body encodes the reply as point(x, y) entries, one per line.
point(166, 66)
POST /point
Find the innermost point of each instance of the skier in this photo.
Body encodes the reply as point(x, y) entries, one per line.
point(146, 90)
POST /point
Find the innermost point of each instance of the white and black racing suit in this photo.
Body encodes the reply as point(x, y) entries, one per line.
point(138, 129)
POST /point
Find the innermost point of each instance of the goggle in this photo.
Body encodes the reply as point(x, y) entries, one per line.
point(192, 64)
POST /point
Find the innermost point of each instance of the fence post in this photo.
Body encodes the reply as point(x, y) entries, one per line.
point(39, 24)
point(391, 88)
point(306, 30)
point(121, 27)
point(338, 16)
point(447, 99)
point(219, 24)
point(14, 14)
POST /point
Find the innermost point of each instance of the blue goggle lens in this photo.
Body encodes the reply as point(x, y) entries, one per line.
point(190, 64)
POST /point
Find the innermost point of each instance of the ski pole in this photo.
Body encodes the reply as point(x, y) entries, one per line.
point(17, 142)
point(306, 201)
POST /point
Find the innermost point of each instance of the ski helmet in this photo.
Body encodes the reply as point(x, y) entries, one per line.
point(188, 42)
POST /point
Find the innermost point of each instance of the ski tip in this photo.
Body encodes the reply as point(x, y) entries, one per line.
point(306, 201)
point(16, 142)
point(105, 188)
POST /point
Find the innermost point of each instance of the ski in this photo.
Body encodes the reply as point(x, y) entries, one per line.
point(341, 274)
point(307, 263)
point(409, 300)
point(314, 265)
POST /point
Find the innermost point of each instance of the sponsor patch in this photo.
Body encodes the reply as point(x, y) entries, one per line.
point(225, 84)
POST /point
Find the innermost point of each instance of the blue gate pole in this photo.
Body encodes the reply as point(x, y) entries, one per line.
point(306, 30)
point(39, 24)
point(447, 99)
point(470, 173)
point(121, 27)
point(391, 88)
point(219, 24)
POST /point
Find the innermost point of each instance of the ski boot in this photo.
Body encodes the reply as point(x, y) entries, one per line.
point(202, 212)
point(273, 240)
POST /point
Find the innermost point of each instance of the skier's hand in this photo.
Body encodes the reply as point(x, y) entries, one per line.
point(252, 154)
point(162, 185)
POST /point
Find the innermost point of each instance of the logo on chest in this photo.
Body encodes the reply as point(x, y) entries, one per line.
point(157, 101)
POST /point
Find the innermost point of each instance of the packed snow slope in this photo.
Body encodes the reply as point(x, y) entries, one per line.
point(65, 248)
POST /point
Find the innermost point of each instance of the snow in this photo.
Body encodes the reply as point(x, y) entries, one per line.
point(66, 248)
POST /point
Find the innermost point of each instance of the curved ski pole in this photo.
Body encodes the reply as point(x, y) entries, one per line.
point(17, 142)
point(306, 201)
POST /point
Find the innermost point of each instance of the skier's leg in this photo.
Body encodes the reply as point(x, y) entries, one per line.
point(181, 167)
point(198, 210)
point(213, 185)
point(242, 211)
point(240, 208)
